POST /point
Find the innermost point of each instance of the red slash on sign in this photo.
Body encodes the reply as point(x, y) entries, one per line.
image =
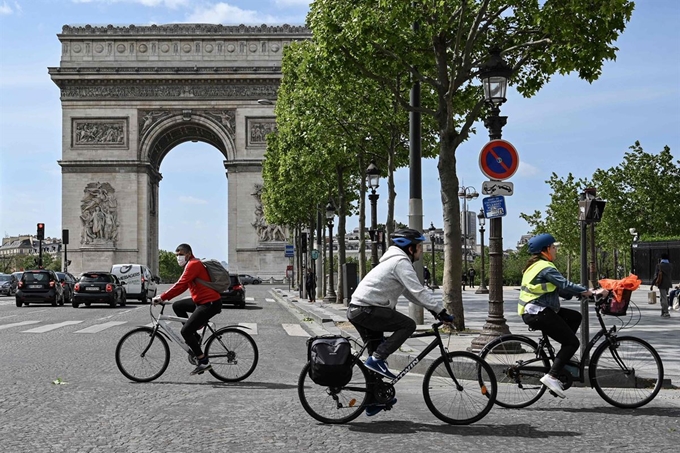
point(498, 160)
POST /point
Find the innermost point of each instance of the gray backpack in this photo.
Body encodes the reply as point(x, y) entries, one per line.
point(219, 276)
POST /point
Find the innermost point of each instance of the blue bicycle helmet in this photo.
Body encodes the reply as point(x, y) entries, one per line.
point(406, 237)
point(539, 242)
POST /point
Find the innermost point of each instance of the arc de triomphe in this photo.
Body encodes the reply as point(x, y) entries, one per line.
point(129, 95)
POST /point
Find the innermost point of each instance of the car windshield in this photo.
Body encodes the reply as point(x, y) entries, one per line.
point(96, 278)
point(5, 278)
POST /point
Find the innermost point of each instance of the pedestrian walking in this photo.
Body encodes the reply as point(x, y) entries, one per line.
point(663, 282)
point(463, 279)
point(671, 296)
point(471, 277)
point(426, 276)
point(310, 285)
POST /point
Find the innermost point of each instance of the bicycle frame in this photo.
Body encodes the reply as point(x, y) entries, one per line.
point(545, 345)
point(437, 341)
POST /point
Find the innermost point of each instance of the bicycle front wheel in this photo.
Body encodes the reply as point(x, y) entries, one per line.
point(232, 353)
point(142, 356)
point(464, 398)
point(334, 405)
point(519, 365)
point(627, 373)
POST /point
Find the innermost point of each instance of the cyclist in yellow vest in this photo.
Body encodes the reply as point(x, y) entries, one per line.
point(539, 304)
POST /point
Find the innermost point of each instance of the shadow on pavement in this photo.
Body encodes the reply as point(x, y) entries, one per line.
point(217, 385)
point(407, 427)
point(668, 411)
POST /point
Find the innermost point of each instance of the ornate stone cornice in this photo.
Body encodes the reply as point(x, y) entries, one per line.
point(179, 89)
point(164, 71)
point(185, 30)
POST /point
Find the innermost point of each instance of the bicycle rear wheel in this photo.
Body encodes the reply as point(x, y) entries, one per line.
point(519, 365)
point(627, 373)
point(142, 356)
point(334, 405)
point(233, 354)
point(467, 402)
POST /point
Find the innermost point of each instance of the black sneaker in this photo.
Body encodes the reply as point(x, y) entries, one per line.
point(202, 367)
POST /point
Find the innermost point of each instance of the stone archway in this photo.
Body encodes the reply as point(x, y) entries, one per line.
point(130, 95)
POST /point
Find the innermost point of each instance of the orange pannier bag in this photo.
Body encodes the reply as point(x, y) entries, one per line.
point(621, 291)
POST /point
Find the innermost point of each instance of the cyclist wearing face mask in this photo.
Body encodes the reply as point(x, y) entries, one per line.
point(203, 304)
point(373, 307)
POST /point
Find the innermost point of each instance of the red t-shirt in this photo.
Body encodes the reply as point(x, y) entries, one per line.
point(199, 293)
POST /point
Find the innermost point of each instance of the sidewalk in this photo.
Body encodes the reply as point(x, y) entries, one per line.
point(646, 323)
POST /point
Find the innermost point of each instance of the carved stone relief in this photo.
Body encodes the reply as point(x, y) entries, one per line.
point(258, 128)
point(150, 91)
point(99, 215)
point(99, 133)
point(148, 118)
point(265, 231)
point(227, 118)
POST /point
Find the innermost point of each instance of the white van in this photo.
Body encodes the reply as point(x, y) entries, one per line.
point(140, 284)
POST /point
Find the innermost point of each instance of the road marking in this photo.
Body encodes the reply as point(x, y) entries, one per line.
point(250, 299)
point(49, 327)
point(295, 330)
point(22, 323)
point(269, 299)
point(251, 327)
point(99, 327)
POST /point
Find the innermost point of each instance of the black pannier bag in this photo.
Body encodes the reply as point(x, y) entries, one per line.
point(330, 358)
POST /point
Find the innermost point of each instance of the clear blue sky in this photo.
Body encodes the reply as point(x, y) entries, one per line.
point(570, 126)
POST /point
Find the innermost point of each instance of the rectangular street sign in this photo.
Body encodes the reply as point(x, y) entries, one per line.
point(502, 188)
point(290, 251)
point(494, 207)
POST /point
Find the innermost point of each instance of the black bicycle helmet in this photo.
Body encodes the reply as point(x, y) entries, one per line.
point(406, 236)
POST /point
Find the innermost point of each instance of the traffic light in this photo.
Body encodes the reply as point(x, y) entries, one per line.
point(41, 231)
point(303, 242)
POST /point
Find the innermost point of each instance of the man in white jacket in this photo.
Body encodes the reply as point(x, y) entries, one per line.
point(373, 307)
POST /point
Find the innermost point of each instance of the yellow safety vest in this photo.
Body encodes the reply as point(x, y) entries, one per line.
point(532, 291)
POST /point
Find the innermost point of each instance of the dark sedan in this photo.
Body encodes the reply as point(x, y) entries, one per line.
point(8, 285)
point(39, 286)
point(236, 294)
point(68, 283)
point(99, 287)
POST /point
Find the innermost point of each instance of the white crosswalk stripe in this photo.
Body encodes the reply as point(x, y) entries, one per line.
point(99, 327)
point(267, 299)
point(295, 330)
point(16, 324)
point(48, 327)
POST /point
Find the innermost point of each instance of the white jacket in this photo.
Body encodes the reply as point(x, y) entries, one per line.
point(394, 276)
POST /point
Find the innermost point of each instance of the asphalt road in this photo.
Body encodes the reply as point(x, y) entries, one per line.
point(97, 409)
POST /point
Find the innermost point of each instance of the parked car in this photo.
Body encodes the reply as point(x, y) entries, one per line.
point(99, 287)
point(140, 283)
point(249, 279)
point(236, 294)
point(39, 286)
point(8, 284)
point(68, 282)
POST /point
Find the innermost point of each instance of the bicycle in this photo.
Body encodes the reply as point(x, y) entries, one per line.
point(143, 355)
point(626, 371)
point(459, 387)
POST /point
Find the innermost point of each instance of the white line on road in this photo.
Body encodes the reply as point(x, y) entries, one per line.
point(99, 327)
point(269, 299)
point(295, 330)
point(49, 327)
point(22, 323)
point(250, 299)
point(120, 313)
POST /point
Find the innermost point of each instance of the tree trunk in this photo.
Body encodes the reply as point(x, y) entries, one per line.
point(342, 225)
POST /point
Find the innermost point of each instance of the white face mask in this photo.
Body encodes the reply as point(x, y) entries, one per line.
point(181, 260)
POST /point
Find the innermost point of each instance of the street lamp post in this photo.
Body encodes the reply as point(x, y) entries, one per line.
point(373, 182)
point(466, 193)
point(331, 297)
point(433, 238)
point(494, 73)
point(482, 289)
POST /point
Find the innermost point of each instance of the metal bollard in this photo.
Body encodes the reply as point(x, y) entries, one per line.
point(651, 297)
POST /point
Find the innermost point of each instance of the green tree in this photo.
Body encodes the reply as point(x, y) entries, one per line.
point(445, 51)
point(168, 269)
